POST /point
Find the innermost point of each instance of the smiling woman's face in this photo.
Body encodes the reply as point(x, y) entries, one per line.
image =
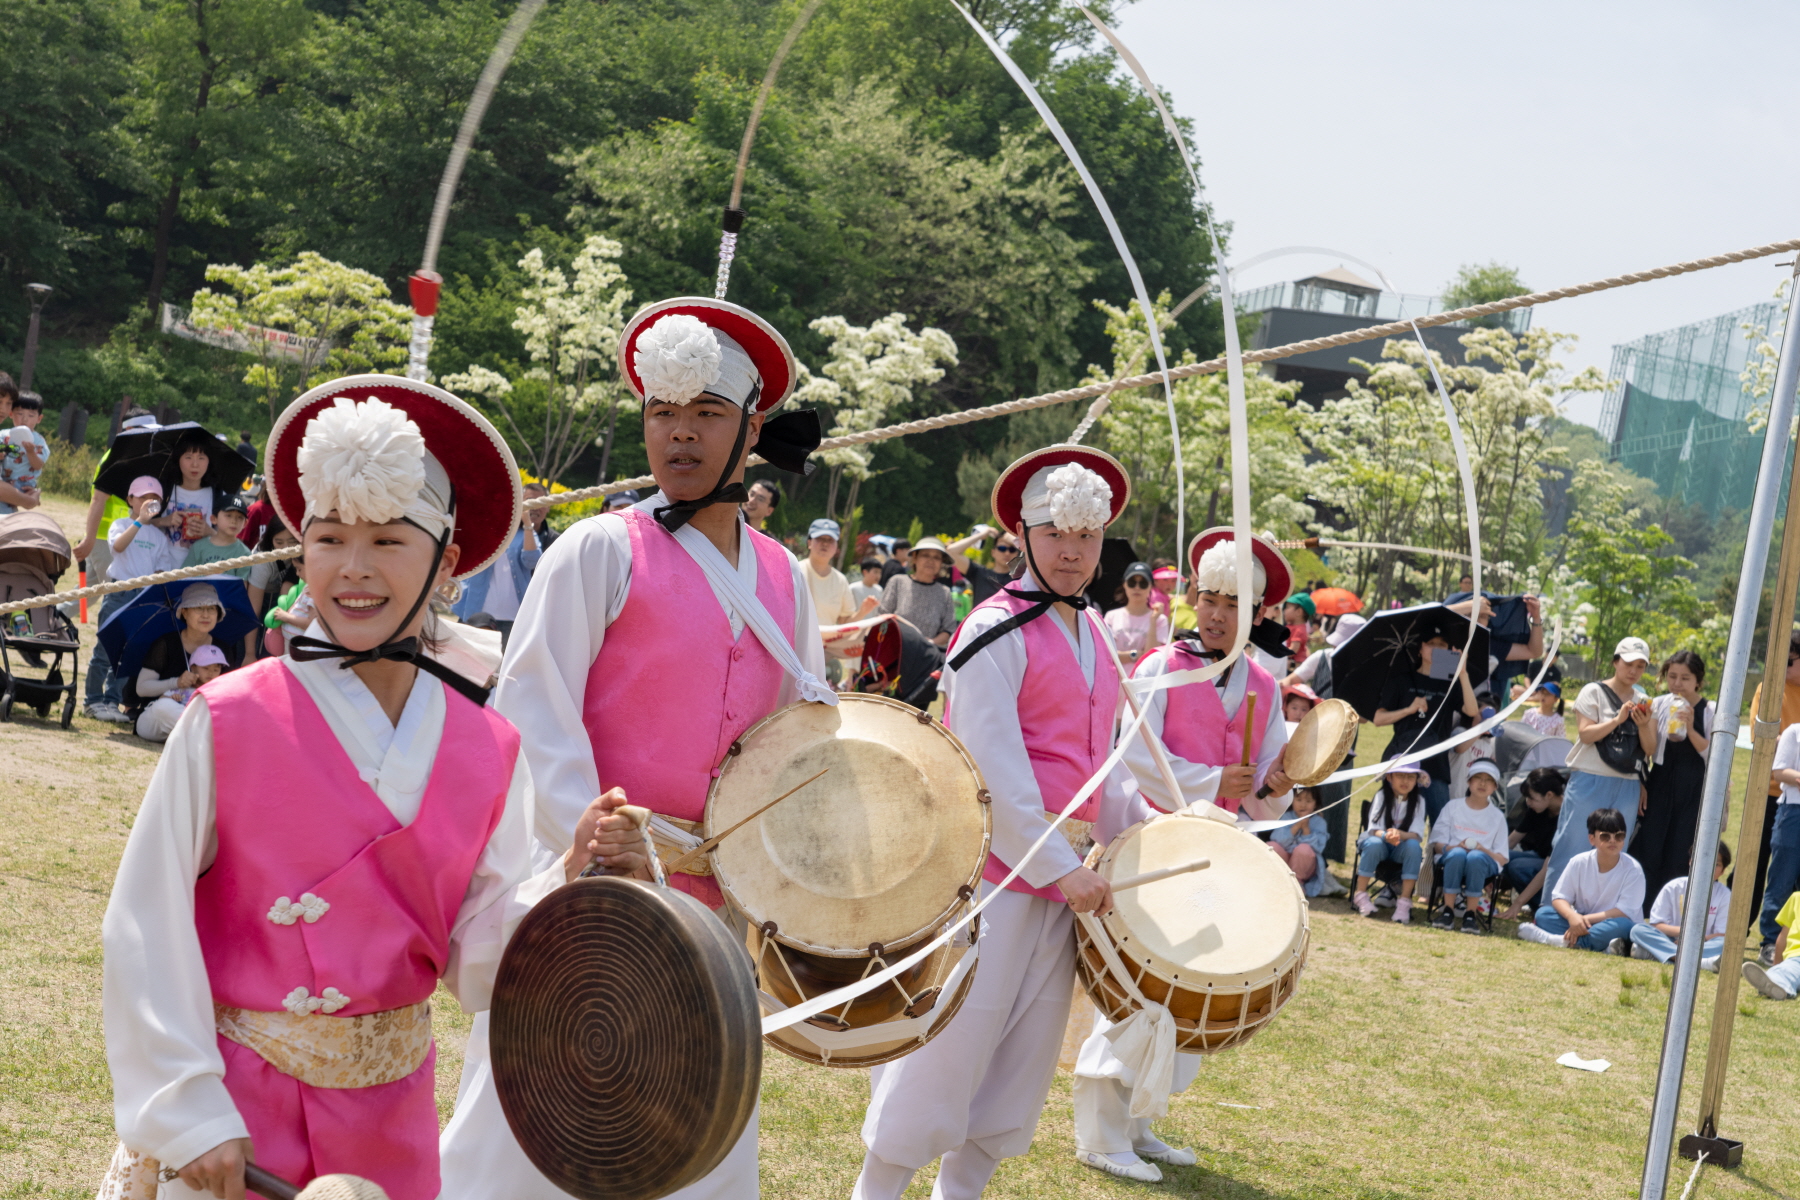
point(364, 577)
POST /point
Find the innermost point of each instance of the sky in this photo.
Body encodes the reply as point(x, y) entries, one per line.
point(1571, 141)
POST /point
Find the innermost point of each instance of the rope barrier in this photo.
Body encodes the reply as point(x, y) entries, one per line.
point(1087, 392)
point(1314, 543)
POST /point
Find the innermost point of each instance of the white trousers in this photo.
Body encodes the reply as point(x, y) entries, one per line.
point(1102, 1094)
point(974, 1093)
point(481, 1160)
point(157, 721)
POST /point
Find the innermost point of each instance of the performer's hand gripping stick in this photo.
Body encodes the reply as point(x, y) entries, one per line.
point(325, 1187)
point(641, 818)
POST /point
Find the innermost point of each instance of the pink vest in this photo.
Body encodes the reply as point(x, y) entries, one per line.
point(670, 690)
point(1067, 726)
point(294, 817)
point(1194, 722)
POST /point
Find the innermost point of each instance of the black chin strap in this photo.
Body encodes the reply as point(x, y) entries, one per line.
point(406, 650)
point(1042, 602)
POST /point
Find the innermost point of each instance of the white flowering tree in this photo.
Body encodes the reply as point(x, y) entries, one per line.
point(344, 320)
point(868, 382)
point(569, 397)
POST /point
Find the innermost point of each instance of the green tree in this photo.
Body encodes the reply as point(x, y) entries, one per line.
point(1482, 284)
point(346, 318)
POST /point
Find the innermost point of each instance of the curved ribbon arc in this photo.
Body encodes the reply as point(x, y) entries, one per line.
point(1239, 410)
point(1131, 269)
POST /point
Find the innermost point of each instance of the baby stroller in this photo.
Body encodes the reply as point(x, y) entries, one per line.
point(33, 555)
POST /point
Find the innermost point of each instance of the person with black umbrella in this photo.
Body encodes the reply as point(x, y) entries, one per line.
point(1419, 706)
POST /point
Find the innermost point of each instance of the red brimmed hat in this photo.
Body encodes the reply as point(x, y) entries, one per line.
point(1278, 577)
point(767, 349)
point(482, 472)
point(1009, 489)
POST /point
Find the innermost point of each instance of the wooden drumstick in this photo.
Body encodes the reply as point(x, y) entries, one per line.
point(1249, 724)
point(714, 840)
point(274, 1187)
point(1163, 873)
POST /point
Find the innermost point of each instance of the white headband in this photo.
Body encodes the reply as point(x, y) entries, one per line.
point(1069, 496)
point(367, 461)
point(680, 357)
point(1217, 570)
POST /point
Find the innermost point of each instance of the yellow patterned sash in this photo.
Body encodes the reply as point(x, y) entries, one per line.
point(323, 1051)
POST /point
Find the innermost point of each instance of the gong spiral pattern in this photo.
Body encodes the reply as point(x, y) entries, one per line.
point(626, 1039)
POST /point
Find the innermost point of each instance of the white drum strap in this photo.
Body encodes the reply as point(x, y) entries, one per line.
point(833, 1041)
point(1144, 1041)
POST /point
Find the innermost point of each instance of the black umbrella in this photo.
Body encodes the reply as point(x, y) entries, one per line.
point(1389, 645)
point(152, 452)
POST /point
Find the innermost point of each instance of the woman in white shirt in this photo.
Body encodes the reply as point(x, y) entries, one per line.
point(1669, 814)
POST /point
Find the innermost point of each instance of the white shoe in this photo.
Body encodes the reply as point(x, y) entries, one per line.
point(1758, 978)
point(1643, 955)
point(1132, 1167)
point(1162, 1152)
point(1331, 886)
point(108, 712)
point(1531, 931)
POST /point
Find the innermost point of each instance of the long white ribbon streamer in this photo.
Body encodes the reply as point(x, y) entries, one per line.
point(724, 576)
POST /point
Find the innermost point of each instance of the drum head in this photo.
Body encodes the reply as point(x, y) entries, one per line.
point(1234, 923)
point(626, 1040)
point(877, 851)
point(1320, 741)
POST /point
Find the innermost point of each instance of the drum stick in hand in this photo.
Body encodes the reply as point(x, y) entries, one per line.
point(1121, 885)
point(1249, 724)
point(714, 840)
point(640, 817)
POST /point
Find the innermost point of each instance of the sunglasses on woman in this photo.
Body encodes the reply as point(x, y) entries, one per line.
point(1004, 548)
point(1137, 584)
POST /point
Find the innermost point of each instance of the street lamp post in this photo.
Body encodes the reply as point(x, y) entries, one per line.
point(38, 292)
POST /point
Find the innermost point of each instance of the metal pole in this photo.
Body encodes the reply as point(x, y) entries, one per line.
point(39, 293)
point(1718, 766)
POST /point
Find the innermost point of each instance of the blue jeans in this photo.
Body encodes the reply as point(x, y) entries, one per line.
point(1371, 852)
point(1465, 871)
point(1588, 793)
point(1520, 869)
point(1597, 938)
point(1784, 870)
point(1662, 947)
point(103, 687)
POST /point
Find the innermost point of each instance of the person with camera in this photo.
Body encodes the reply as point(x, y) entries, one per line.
point(1617, 737)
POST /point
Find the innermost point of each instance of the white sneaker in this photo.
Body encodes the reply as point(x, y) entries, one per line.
point(1162, 1152)
point(1531, 931)
point(1125, 1166)
point(1758, 978)
point(108, 712)
point(1643, 955)
point(1331, 886)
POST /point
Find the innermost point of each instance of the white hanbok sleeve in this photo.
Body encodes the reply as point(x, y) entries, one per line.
point(983, 710)
point(169, 1097)
point(577, 591)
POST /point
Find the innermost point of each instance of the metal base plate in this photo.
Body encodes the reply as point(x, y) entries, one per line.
point(1719, 1151)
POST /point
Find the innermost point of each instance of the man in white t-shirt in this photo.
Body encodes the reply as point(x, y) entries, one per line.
point(1654, 940)
point(138, 548)
point(1599, 896)
point(832, 598)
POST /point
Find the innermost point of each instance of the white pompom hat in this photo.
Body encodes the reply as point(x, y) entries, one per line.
point(677, 349)
point(382, 447)
point(1040, 489)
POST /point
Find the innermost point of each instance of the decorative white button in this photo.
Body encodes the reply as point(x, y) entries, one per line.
point(310, 908)
point(300, 1003)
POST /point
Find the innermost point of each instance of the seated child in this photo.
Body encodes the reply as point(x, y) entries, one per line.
point(1469, 838)
point(23, 450)
point(1781, 981)
point(227, 524)
point(1655, 939)
point(1396, 827)
point(1302, 845)
point(1599, 895)
point(1544, 718)
point(1531, 842)
point(158, 719)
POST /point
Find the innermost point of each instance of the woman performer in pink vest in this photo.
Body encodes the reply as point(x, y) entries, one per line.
point(1033, 689)
point(650, 639)
point(1203, 727)
point(327, 835)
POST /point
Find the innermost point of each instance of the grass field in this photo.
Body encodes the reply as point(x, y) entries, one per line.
point(1411, 1062)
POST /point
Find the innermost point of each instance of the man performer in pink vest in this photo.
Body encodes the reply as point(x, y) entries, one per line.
point(1205, 729)
point(649, 640)
point(328, 834)
point(1033, 690)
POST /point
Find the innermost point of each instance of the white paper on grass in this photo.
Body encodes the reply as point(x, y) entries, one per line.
point(1572, 1059)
